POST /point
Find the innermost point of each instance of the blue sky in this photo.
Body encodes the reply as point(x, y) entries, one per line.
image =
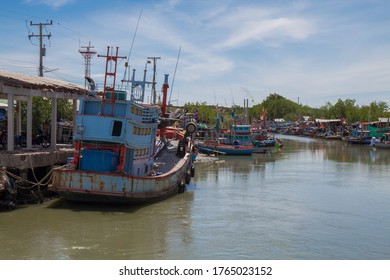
point(312, 51)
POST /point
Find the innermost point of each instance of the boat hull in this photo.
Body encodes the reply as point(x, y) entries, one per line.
point(362, 141)
point(381, 145)
point(226, 149)
point(95, 187)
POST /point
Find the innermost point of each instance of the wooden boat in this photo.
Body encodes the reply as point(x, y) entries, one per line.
point(209, 147)
point(359, 137)
point(239, 140)
point(383, 143)
point(267, 145)
point(118, 157)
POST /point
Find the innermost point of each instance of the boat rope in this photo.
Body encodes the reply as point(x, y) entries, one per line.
point(32, 167)
point(43, 182)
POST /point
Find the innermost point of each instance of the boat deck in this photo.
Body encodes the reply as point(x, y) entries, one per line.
point(167, 158)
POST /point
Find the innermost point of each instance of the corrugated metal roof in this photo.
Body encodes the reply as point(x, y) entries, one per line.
point(41, 83)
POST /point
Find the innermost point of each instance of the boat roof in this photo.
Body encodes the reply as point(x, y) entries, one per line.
point(327, 120)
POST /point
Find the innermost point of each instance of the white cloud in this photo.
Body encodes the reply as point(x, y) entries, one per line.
point(51, 3)
point(245, 25)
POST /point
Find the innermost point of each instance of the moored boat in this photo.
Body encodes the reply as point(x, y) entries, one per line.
point(209, 147)
point(383, 143)
point(359, 137)
point(118, 157)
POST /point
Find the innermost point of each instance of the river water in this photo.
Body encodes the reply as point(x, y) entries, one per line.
point(313, 199)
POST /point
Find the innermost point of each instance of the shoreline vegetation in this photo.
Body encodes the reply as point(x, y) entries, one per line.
point(278, 107)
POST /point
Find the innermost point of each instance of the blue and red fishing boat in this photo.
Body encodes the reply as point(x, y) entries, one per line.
point(239, 140)
point(118, 156)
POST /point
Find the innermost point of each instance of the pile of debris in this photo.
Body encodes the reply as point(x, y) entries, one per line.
point(7, 191)
point(15, 191)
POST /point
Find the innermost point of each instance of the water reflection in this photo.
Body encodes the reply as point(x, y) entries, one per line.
point(337, 150)
point(313, 199)
point(63, 230)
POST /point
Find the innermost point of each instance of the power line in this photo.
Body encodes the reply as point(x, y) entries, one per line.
point(42, 49)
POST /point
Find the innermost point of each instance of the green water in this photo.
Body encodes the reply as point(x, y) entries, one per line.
point(313, 199)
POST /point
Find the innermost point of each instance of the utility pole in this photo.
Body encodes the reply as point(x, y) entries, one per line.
point(87, 54)
point(42, 49)
point(154, 78)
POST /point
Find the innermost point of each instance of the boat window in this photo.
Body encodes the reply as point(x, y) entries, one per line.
point(117, 128)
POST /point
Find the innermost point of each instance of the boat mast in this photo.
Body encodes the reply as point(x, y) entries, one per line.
point(109, 79)
point(154, 58)
point(131, 48)
point(174, 75)
point(164, 103)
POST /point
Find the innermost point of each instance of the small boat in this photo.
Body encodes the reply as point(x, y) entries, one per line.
point(383, 143)
point(266, 145)
point(211, 147)
point(239, 140)
point(331, 136)
point(359, 137)
point(118, 156)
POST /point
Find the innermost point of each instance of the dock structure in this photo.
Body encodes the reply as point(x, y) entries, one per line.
point(24, 174)
point(32, 164)
point(17, 88)
point(24, 159)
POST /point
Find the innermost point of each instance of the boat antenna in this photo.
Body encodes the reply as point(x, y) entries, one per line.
point(174, 75)
point(131, 47)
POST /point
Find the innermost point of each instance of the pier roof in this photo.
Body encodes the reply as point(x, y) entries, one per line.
point(28, 85)
point(22, 87)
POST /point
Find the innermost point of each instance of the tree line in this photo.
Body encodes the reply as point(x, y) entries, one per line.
point(276, 106)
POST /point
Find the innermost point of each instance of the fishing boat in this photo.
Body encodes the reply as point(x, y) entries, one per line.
point(221, 142)
point(118, 156)
point(266, 145)
point(383, 143)
point(359, 136)
point(239, 140)
point(211, 147)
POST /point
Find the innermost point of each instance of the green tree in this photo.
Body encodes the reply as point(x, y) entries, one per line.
point(41, 112)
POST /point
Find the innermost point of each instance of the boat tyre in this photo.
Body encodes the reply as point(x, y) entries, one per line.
point(182, 187)
point(188, 177)
point(192, 170)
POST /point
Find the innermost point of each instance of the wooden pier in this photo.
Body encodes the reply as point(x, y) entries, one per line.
point(24, 174)
point(26, 170)
point(23, 159)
